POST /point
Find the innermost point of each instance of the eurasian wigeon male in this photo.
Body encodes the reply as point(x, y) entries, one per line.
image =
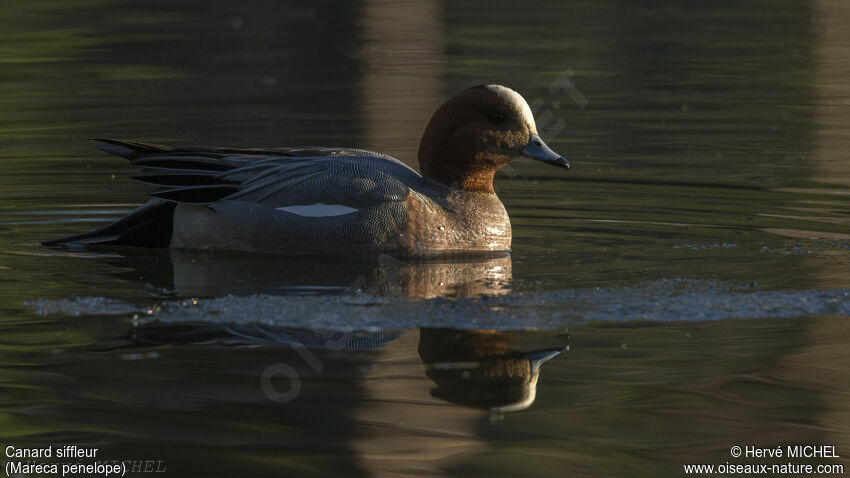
point(317, 200)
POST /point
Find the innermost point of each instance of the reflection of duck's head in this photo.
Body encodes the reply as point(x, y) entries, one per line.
point(481, 369)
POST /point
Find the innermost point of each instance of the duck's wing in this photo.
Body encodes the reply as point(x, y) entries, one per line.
point(275, 177)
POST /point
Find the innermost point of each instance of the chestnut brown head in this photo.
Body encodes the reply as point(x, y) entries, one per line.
point(478, 131)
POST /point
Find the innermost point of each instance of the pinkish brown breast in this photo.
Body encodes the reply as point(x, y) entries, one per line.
point(464, 221)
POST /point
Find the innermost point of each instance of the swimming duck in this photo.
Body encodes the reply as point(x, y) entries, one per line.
point(320, 200)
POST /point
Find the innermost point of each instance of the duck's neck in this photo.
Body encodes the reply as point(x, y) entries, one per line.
point(459, 175)
point(452, 161)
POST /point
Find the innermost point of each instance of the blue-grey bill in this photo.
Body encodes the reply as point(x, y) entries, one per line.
point(538, 358)
point(537, 149)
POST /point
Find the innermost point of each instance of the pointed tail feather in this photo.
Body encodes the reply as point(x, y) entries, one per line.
point(151, 225)
point(129, 149)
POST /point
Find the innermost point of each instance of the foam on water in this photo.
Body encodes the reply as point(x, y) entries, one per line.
point(77, 306)
point(666, 300)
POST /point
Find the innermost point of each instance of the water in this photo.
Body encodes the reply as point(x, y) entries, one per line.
point(686, 282)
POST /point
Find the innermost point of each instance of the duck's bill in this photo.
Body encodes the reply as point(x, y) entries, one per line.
point(538, 358)
point(537, 149)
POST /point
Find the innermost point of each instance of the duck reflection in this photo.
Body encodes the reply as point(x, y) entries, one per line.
point(390, 401)
point(215, 274)
point(482, 368)
point(425, 418)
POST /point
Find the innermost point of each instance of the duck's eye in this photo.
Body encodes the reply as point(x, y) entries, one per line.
point(496, 118)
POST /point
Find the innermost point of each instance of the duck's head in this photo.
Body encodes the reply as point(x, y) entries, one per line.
point(478, 131)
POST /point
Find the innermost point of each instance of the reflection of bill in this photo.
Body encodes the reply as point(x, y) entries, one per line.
point(481, 368)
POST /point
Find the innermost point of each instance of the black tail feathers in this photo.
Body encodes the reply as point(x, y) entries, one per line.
point(151, 225)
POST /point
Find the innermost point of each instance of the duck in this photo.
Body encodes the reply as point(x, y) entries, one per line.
point(336, 201)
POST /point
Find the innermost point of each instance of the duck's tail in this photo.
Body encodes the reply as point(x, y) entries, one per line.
point(151, 225)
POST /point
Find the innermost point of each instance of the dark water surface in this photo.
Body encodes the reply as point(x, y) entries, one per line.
point(687, 283)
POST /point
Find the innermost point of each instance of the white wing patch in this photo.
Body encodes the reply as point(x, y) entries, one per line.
point(319, 210)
